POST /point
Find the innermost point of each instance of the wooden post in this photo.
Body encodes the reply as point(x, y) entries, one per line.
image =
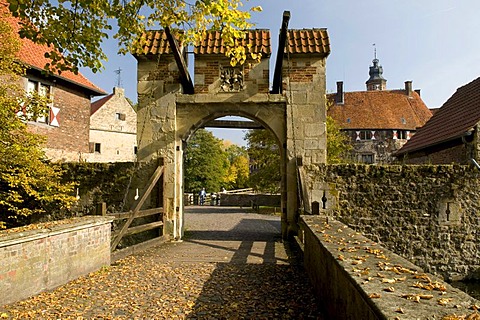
point(315, 207)
point(101, 209)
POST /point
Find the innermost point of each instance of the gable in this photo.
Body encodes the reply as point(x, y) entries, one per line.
point(458, 115)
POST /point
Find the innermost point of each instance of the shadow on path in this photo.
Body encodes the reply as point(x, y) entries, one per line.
point(262, 277)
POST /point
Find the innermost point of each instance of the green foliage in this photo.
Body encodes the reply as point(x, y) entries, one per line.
point(101, 182)
point(264, 154)
point(338, 143)
point(29, 186)
point(76, 29)
point(205, 164)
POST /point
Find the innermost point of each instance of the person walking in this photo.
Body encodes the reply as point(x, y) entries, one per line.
point(203, 195)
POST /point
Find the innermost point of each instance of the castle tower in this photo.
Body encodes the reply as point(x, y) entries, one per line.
point(376, 80)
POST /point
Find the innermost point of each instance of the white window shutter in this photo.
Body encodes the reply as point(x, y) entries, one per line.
point(54, 116)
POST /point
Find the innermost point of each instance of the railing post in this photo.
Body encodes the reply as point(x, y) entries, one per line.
point(315, 207)
point(101, 209)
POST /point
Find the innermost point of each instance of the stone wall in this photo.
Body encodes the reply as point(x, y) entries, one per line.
point(42, 259)
point(250, 200)
point(114, 127)
point(427, 214)
point(356, 278)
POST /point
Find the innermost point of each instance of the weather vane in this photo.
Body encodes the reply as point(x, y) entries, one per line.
point(119, 77)
point(374, 51)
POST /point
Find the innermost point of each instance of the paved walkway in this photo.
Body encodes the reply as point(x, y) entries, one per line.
point(230, 265)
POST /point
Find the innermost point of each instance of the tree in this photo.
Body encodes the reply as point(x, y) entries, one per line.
point(205, 164)
point(238, 171)
point(338, 144)
point(264, 154)
point(75, 29)
point(29, 187)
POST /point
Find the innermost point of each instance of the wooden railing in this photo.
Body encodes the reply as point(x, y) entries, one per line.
point(129, 216)
point(140, 228)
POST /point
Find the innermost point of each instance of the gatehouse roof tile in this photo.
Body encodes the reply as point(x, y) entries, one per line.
point(384, 109)
point(308, 41)
point(258, 39)
point(457, 116)
point(156, 43)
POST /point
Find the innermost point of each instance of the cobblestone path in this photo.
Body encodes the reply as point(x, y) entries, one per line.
point(230, 265)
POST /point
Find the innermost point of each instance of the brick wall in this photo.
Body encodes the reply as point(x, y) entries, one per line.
point(42, 259)
point(71, 136)
point(428, 214)
point(207, 74)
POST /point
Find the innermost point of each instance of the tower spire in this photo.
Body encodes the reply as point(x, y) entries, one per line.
point(376, 80)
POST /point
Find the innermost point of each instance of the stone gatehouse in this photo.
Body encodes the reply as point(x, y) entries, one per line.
point(171, 108)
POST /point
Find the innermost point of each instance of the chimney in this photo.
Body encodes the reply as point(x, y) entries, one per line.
point(418, 92)
point(408, 88)
point(339, 98)
point(118, 91)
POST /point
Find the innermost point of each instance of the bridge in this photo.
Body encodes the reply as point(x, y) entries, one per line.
point(231, 264)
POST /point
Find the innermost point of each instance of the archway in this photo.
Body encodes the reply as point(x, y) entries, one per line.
point(256, 115)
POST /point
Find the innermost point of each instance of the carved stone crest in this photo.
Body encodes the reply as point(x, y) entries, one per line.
point(231, 79)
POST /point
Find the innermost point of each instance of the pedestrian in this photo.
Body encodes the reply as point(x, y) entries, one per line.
point(203, 195)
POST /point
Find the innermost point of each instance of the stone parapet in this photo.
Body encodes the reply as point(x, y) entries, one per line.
point(51, 255)
point(356, 278)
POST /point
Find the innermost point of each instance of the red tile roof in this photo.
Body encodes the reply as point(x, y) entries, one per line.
point(258, 39)
point(94, 106)
point(33, 55)
point(312, 41)
point(457, 116)
point(386, 109)
point(155, 43)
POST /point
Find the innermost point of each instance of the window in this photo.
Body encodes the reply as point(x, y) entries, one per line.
point(97, 148)
point(365, 135)
point(402, 134)
point(42, 90)
point(120, 116)
point(367, 158)
point(135, 150)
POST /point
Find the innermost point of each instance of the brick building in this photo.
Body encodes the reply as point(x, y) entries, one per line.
point(451, 135)
point(113, 129)
point(66, 127)
point(378, 121)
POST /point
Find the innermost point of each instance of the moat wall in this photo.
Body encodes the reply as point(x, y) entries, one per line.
point(427, 214)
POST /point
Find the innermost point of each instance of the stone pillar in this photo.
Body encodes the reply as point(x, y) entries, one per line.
point(156, 134)
point(305, 87)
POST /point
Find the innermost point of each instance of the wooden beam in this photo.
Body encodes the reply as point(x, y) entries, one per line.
point(140, 214)
point(230, 124)
point(277, 76)
point(142, 228)
point(185, 78)
point(151, 183)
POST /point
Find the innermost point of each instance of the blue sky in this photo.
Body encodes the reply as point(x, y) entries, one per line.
point(433, 43)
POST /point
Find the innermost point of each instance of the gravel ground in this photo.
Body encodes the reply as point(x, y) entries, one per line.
point(230, 265)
